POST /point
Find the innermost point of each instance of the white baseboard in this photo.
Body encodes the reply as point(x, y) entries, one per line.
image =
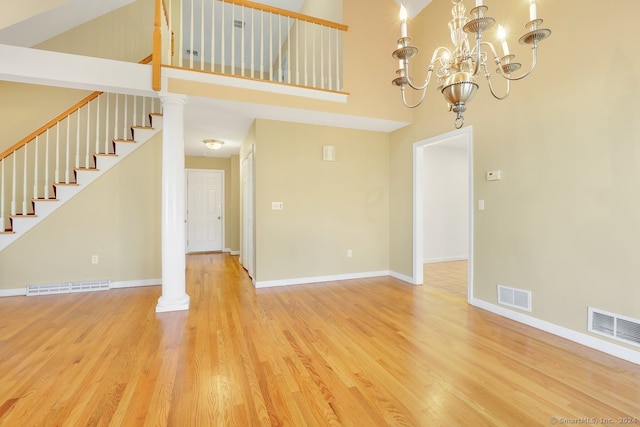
point(135, 283)
point(231, 252)
point(318, 279)
point(402, 277)
point(446, 259)
point(593, 342)
point(13, 292)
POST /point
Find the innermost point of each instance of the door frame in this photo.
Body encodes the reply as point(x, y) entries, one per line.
point(222, 207)
point(418, 202)
point(248, 202)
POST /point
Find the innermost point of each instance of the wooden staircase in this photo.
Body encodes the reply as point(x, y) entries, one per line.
point(102, 150)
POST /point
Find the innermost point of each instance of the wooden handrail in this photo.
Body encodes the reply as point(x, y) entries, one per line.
point(289, 13)
point(42, 129)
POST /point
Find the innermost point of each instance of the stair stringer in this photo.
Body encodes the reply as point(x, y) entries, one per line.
point(21, 224)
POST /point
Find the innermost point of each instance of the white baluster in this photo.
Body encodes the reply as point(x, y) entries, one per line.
point(338, 34)
point(261, 45)
point(297, 23)
point(242, 45)
point(329, 67)
point(222, 46)
point(313, 53)
point(106, 127)
point(289, 50)
point(125, 118)
point(35, 171)
point(213, 35)
point(57, 168)
point(191, 38)
point(135, 111)
point(233, 39)
point(77, 138)
point(66, 171)
point(144, 111)
point(46, 167)
point(181, 34)
point(13, 185)
point(321, 57)
point(271, 46)
point(97, 149)
point(24, 180)
point(279, 71)
point(201, 35)
point(306, 59)
point(87, 142)
point(253, 45)
point(115, 117)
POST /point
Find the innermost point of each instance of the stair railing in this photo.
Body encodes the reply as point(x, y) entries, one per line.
point(245, 39)
point(49, 155)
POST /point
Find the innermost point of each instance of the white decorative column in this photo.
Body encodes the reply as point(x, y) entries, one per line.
point(174, 296)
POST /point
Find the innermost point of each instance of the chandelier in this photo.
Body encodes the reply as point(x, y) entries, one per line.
point(457, 70)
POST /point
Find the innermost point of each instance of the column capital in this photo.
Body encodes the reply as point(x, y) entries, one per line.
point(172, 99)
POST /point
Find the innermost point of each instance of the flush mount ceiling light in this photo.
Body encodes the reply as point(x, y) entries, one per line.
point(213, 144)
point(458, 69)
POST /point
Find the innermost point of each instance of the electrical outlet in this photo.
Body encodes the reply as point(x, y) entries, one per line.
point(94, 259)
point(349, 253)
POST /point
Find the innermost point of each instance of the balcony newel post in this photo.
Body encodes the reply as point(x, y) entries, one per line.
point(157, 47)
point(174, 297)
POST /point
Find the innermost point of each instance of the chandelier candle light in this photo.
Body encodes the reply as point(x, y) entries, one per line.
point(457, 69)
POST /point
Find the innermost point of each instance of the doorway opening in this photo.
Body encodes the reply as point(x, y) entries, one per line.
point(449, 234)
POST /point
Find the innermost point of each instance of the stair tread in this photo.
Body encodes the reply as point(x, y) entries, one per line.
point(64, 183)
point(86, 169)
point(42, 199)
point(142, 127)
point(8, 231)
point(106, 154)
point(124, 140)
point(23, 216)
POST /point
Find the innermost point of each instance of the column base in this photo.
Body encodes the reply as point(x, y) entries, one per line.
point(172, 304)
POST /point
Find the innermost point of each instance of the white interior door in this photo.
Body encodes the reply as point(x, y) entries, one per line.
point(247, 253)
point(204, 210)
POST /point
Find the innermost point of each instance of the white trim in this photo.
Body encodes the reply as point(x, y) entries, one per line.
point(231, 252)
point(403, 277)
point(317, 279)
point(74, 71)
point(418, 199)
point(593, 342)
point(18, 292)
point(446, 259)
point(135, 283)
point(241, 83)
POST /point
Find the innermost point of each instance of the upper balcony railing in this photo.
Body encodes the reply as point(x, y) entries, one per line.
point(250, 40)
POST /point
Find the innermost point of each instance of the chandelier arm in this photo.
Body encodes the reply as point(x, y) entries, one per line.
point(404, 99)
point(534, 62)
point(488, 76)
point(429, 72)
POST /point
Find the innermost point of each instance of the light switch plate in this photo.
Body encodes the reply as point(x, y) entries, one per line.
point(494, 175)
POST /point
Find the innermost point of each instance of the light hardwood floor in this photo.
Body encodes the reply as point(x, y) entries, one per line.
point(371, 352)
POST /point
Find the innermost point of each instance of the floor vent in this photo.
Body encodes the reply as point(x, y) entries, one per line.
point(516, 298)
point(69, 287)
point(96, 285)
point(50, 289)
point(614, 326)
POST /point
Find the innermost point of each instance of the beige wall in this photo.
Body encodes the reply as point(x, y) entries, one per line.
point(563, 221)
point(329, 207)
point(117, 218)
point(231, 194)
point(124, 34)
